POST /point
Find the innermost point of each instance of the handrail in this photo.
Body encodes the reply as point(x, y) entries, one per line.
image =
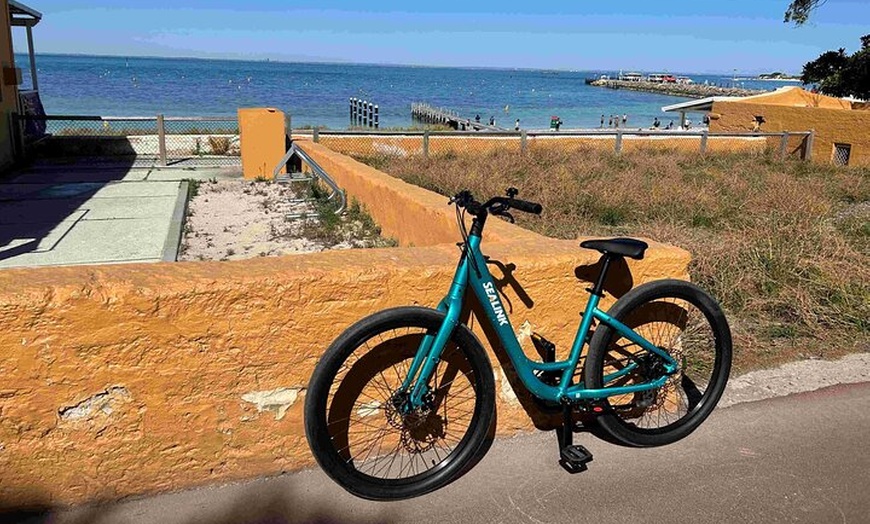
point(318, 171)
point(561, 133)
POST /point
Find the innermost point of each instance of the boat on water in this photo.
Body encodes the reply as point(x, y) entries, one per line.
point(631, 77)
point(592, 79)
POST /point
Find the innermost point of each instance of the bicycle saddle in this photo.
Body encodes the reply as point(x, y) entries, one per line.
point(624, 247)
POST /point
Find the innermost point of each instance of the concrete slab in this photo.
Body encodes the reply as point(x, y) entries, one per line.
point(137, 189)
point(96, 208)
point(38, 237)
point(60, 214)
point(97, 241)
point(70, 176)
point(19, 191)
point(218, 173)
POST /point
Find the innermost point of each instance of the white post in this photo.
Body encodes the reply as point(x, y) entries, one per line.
point(32, 58)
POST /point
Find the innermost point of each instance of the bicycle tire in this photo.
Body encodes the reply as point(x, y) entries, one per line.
point(663, 306)
point(331, 405)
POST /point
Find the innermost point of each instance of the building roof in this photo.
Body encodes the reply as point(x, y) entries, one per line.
point(795, 96)
point(22, 15)
point(792, 96)
point(703, 104)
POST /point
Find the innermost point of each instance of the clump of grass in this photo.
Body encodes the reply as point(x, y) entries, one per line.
point(219, 144)
point(785, 246)
point(355, 226)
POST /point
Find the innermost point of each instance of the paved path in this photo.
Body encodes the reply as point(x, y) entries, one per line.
point(109, 213)
point(801, 458)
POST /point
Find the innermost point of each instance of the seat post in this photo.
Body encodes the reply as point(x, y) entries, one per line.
point(599, 285)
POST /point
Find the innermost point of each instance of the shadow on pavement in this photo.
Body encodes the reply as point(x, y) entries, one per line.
point(256, 503)
point(39, 198)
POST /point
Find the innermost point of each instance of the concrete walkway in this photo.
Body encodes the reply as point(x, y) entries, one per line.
point(55, 214)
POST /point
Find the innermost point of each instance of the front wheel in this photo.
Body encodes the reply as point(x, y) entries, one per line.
point(355, 417)
point(686, 322)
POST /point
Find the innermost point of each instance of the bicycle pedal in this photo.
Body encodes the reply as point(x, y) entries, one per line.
point(574, 458)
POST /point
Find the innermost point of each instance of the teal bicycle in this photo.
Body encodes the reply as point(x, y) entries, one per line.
point(401, 403)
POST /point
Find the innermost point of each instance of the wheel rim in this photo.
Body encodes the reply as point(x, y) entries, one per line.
point(685, 331)
point(372, 437)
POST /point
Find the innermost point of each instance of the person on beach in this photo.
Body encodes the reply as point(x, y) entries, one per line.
point(477, 119)
point(624, 119)
point(616, 122)
point(517, 125)
point(558, 124)
point(492, 120)
point(602, 121)
point(656, 123)
point(610, 122)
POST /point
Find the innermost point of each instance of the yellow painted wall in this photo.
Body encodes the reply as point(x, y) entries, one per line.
point(8, 93)
point(129, 379)
point(830, 125)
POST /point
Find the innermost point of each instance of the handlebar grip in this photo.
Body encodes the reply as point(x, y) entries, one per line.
point(523, 205)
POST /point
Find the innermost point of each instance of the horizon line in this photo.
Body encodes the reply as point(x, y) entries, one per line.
point(348, 63)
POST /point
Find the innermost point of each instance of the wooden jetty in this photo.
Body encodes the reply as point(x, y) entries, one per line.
point(428, 114)
point(686, 90)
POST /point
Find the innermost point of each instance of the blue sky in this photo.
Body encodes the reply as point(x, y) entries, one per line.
point(675, 35)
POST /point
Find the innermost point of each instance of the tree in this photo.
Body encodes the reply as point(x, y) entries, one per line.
point(839, 74)
point(799, 10)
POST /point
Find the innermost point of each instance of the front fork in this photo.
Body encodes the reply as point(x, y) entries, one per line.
point(425, 361)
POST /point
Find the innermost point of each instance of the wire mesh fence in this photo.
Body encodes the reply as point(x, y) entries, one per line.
point(168, 140)
point(373, 144)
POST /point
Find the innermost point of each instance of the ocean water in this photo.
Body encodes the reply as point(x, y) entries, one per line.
point(317, 94)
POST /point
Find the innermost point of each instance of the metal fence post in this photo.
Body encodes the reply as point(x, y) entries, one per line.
point(808, 145)
point(703, 141)
point(161, 139)
point(315, 135)
point(426, 144)
point(783, 145)
point(618, 145)
point(523, 144)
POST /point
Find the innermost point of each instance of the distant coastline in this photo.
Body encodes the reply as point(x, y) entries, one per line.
point(757, 79)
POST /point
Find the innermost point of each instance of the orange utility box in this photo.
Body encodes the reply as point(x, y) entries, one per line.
point(262, 134)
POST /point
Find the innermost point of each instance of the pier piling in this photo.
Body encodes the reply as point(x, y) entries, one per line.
point(363, 113)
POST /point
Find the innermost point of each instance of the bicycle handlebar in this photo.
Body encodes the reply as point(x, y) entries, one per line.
point(495, 205)
point(525, 206)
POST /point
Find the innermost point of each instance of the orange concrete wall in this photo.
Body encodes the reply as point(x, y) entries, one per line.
point(261, 133)
point(407, 145)
point(831, 125)
point(129, 379)
point(8, 93)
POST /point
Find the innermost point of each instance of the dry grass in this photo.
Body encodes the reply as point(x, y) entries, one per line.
point(785, 246)
point(219, 144)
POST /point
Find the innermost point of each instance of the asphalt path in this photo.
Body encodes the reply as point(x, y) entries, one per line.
point(800, 458)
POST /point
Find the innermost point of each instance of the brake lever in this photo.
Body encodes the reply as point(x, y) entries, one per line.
point(508, 216)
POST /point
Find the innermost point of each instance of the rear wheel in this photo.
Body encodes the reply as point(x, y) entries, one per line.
point(686, 322)
point(355, 422)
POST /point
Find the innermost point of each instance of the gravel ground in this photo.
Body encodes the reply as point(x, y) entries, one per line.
point(233, 220)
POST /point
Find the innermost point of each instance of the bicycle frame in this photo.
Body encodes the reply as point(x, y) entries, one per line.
point(473, 271)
